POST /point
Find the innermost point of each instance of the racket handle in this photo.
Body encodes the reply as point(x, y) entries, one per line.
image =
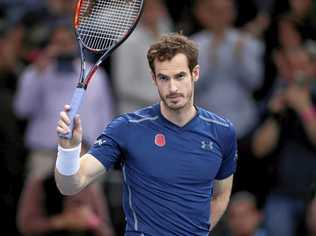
point(74, 108)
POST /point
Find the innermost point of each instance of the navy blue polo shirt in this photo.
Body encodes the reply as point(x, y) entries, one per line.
point(168, 171)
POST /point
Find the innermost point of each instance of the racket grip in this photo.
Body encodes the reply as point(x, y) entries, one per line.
point(74, 108)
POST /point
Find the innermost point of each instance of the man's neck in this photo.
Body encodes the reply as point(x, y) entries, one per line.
point(219, 34)
point(179, 117)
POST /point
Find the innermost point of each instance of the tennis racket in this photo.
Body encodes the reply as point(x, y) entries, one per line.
point(100, 27)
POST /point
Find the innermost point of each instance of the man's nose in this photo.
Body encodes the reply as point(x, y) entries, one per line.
point(173, 86)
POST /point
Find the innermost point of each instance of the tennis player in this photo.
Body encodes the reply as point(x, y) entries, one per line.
point(177, 159)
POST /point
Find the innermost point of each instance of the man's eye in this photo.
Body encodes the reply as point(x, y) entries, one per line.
point(163, 77)
point(180, 77)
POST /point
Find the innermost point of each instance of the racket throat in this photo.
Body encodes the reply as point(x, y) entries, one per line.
point(82, 85)
point(91, 74)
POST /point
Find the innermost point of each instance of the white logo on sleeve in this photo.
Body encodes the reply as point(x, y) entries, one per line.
point(100, 142)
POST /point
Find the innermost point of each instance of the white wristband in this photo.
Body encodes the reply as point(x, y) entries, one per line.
point(68, 160)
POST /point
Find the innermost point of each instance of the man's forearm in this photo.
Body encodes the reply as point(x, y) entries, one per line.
point(218, 206)
point(67, 171)
point(220, 199)
point(36, 223)
point(68, 185)
point(90, 169)
point(308, 115)
point(266, 138)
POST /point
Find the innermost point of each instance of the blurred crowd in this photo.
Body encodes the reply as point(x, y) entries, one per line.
point(258, 69)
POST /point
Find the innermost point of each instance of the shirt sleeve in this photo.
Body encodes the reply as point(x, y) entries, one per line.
point(230, 154)
point(108, 147)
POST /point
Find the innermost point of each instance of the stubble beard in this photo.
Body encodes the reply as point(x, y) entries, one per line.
point(177, 107)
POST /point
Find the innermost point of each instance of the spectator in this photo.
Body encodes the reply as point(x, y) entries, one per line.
point(39, 21)
point(11, 160)
point(42, 210)
point(243, 216)
point(43, 89)
point(11, 65)
point(289, 39)
point(299, 15)
point(301, 11)
point(291, 35)
point(130, 70)
point(288, 135)
point(11, 139)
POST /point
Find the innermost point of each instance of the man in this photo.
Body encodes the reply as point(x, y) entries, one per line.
point(287, 137)
point(243, 216)
point(177, 159)
point(42, 210)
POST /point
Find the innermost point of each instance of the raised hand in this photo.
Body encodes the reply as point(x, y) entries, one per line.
point(63, 128)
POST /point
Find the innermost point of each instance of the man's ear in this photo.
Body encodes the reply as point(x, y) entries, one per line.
point(153, 77)
point(196, 73)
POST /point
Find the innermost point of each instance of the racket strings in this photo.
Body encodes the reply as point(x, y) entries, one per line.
point(103, 23)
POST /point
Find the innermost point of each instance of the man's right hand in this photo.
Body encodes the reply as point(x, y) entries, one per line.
point(63, 128)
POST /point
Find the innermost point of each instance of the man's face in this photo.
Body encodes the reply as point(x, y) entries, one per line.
point(61, 7)
point(243, 218)
point(288, 35)
point(300, 64)
point(300, 7)
point(215, 14)
point(64, 41)
point(153, 10)
point(175, 82)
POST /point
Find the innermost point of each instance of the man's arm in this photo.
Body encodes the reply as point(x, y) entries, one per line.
point(300, 99)
point(220, 199)
point(71, 173)
point(31, 217)
point(267, 135)
point(248, 57)
point(90, 169)
point(266, 138)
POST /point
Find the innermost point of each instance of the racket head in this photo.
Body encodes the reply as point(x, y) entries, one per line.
point(102, 25)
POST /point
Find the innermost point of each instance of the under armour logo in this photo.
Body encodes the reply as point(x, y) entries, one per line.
point(100, 142)
point(207, 145)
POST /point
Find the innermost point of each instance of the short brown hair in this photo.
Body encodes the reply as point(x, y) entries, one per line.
point(171, 44)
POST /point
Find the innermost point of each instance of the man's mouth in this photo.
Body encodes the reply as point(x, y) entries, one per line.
point(174, 96)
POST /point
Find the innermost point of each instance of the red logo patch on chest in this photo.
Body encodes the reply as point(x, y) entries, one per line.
point(160, 140)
